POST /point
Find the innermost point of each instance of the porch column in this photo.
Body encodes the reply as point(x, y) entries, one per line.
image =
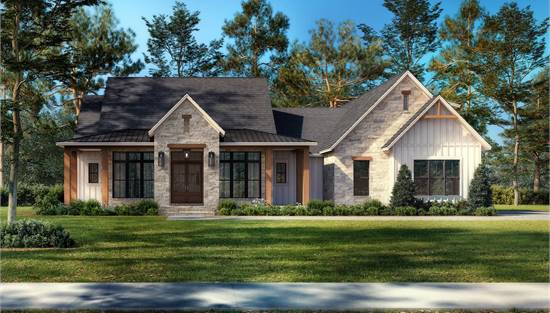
point(105, 176)
point(66, 175)
point(269, 175)
point(302, 175)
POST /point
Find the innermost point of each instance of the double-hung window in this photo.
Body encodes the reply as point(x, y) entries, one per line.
point(437, 177)
point(133, 175)
point(240, 175)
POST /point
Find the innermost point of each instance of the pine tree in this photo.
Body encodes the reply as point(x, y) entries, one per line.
point(258, 40)
point(403, 190)
point(174, 50)
point(480, 194)
point(411, 34)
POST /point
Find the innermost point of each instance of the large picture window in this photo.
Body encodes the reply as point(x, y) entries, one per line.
point(133, 175)
point(360, 178)
point(240, 175)
point(437, 177)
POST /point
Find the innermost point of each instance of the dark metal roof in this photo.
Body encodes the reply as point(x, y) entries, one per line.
point(128, 135)
point(408, 122)
point(248, 135)
point(140, 102)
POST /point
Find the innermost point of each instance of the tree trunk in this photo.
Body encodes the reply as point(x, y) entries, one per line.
point(536, 175)
point(515, 185)
point(77, 101)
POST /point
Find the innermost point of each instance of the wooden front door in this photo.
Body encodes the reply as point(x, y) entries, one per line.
point(186, 177)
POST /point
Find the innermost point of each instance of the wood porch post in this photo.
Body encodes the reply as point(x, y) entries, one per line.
point(269, 175)
point(105, 176)
point(66, 175)
point(302, 175)
point(73, 175)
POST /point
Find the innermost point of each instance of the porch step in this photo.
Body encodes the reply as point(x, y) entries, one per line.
point(183, 211)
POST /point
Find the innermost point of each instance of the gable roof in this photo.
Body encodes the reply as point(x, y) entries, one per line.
point(196, 106)
point(421, 112)
point(359, 108)
point(140, 102)
point(257, 138)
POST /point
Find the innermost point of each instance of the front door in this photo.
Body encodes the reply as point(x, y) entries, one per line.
point(186, 174)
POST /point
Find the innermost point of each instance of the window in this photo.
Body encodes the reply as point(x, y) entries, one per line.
point(186, 123)
point(240, 175)
point(133, 175)
point(437, 177)
point(360, 178)
point(406, 94)
point(280, 173)
point(93, 173)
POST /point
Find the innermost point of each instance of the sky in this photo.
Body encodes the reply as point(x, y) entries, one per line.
point(301, 13)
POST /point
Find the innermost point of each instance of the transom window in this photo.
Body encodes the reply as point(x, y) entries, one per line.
point(437, 177)
point(360, 178)
point(240, 175)
point(133, 175)
point(93, 173)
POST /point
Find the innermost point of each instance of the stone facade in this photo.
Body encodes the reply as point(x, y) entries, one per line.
point(367, 139)
point(171, 131)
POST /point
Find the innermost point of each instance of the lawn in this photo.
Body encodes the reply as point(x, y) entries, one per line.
point(522, 207)
point(149, 249)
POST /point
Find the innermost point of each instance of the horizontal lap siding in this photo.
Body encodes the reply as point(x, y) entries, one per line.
point(439, 139)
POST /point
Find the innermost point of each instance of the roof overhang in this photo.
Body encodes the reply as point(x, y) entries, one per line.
point(98, 143)
point(484, 144)
point(205, 115)
point(264, 144)
point(405, 75)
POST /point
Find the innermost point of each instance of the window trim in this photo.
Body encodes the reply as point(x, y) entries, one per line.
point(444, 160)
point(285, 173)
point(142, 180)
point(231, 181)
point(96, 172)
point(358, 160)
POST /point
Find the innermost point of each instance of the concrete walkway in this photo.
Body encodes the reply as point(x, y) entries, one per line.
point(268, 296)
point(501, 216)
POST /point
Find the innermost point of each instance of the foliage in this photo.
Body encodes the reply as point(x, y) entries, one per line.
point(411, 34)
point(34, 234)
point(480, 194)
point(49, 204)
point(28, 194)
point(442, 210)
point(403, 190)
point(335, 67)
point(456, 67)
point(96, 47)
point(485, 211)
point(173, 48)
point(258, 40)
point(141, 207)
point(406, 210)
point(505, 195)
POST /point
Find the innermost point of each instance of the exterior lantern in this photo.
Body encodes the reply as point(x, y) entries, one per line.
point(161, 159)
point(211, 159)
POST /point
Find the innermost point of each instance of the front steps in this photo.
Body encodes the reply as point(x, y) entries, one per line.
point(187, 211)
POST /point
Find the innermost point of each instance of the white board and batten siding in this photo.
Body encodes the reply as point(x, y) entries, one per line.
point(316, 165)
point(86, 190)
point(439, 139)
point(285, 193)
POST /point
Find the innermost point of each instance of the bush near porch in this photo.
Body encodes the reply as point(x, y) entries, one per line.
point(49, 205)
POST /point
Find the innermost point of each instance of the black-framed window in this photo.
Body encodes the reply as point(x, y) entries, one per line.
point(133, 175)
point(360, 178)
point(93, 173)
point(280, 173)
point(437, 177)
point(240, 174)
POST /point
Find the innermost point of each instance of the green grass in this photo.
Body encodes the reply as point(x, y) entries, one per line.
point(521, 207)
point(147, 249)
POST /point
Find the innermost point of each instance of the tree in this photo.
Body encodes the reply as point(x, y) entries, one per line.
point(259, 40)
point(173, 48)
point(456, 66)
point(513, 47)
point(411, 34)
point(480, 193)
point(35, 31)
point(96, 48)
point(403, 190)
point(332, 69)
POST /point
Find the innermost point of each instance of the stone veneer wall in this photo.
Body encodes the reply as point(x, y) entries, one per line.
point(200, 132)
point(366, 140)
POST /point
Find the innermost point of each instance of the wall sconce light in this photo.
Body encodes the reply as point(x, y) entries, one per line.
point(161, 159)
point(211, 159)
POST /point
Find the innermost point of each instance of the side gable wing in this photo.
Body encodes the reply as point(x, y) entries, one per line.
point(205, 115)
point(423, 112)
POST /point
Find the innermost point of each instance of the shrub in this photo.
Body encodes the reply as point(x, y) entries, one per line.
point(534, 197)
point(318, 205)
point(442, 210)
point(141, 207)
point(502, 195)
point(480, 194)
point(228, 204)
point(372, 210)
point(405, 211)
point(49, 204)
point(403, 191)
point(485, 211)
point(373, 203)
point(34, 234)
point(91, 207)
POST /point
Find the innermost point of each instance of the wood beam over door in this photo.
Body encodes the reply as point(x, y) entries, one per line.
point(302, 175)
point(268, 175)
point(105, 155)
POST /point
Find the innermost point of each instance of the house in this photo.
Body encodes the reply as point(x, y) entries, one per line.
point(189, 142)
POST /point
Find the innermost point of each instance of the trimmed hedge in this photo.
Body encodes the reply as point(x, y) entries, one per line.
point(505, 195)
point(34, 234)
point(50, 206)
point(328, 208)
point(28, 194)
